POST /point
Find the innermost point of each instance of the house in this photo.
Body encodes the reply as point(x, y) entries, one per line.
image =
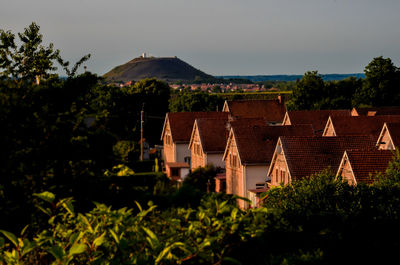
point(248, 153)
point(208, 141)
point(176, 134)
point(389, 138)
point(358, 125)
point(296, 157)
point(376, 111)
point(272, 110)
point(317, 118)
point(362, 165)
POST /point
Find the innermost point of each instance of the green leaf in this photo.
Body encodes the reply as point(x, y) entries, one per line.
point(46, 211)
point(232, 261)
point(138, 205)
point(46, 196)
point(28, 247)
point(69, 207)
point(2, 242)
point(57, 252)
point(86, 221)
point(166, 251)
point(11, 237)
point(114, 236)
point(150, 234)
point(77, 249)
point(75, 238)
point(100, 240)
point(24, 229)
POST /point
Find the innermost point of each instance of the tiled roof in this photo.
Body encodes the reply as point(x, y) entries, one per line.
point(317, 118)
point(213, 134)
point(394, 110)
point(306, 156)
point(394, 131)
point(256, 144)
point(359, 125)
point(181, 123)
point(366, 162)
point(272, 110)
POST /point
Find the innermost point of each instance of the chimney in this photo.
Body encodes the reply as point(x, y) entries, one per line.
point(281, 99)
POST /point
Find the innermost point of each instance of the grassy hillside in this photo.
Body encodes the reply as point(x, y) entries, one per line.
point(164, 68)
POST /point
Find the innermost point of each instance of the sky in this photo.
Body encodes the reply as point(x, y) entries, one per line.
point(219, 37)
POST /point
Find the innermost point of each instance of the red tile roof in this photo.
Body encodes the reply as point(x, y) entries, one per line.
point(306, 156)
point(272, 110)
point(181, 123)
point(317, 118)
point(256, 144)
point(362, 125)
point(393, 110)
point(213, 134)
point(366, 162)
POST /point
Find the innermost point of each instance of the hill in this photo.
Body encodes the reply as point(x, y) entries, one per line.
point(163, 68)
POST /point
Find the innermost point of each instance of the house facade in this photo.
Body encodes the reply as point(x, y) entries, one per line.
point(208, 141)
point(176, 134)
point(248, 154)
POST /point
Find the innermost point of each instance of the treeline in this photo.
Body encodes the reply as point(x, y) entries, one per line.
point(380, 87)
point(317, 220)
point(63, 135)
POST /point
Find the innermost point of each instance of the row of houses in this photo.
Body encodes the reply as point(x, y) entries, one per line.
point(258, 144)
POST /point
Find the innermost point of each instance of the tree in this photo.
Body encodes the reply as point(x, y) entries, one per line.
point(194, 101)
point(381, 85)
point(308, 92)
point(31, 60)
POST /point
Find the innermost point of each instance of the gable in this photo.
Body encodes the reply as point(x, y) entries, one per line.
point(167, 136)
point(329, 128)
point(225, 108)
point(346, 171)
point(166, 123)
point(279, 157)
point(195, 141)
point(286, 119)
point(385, 141)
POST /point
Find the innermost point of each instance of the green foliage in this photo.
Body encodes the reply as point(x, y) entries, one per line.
point(195, 101)
point(381, 85)
point(379, 88)
point(314, 220)
point(31, 60)
point(202, 178)
point(124, 149)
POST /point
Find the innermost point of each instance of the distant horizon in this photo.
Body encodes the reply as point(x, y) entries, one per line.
point(225, 37)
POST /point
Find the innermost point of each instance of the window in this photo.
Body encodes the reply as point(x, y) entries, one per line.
point(276, 176)
point(283, 176)
point(234, 160)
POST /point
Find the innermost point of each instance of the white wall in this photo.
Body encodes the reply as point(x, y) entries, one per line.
point(255, 174)
point(182, 151)
point(216, 160)
point(184, 173)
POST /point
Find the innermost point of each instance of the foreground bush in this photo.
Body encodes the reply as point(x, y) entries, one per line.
point(318, 220)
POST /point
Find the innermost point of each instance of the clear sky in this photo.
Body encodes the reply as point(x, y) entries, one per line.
point(220, 37)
